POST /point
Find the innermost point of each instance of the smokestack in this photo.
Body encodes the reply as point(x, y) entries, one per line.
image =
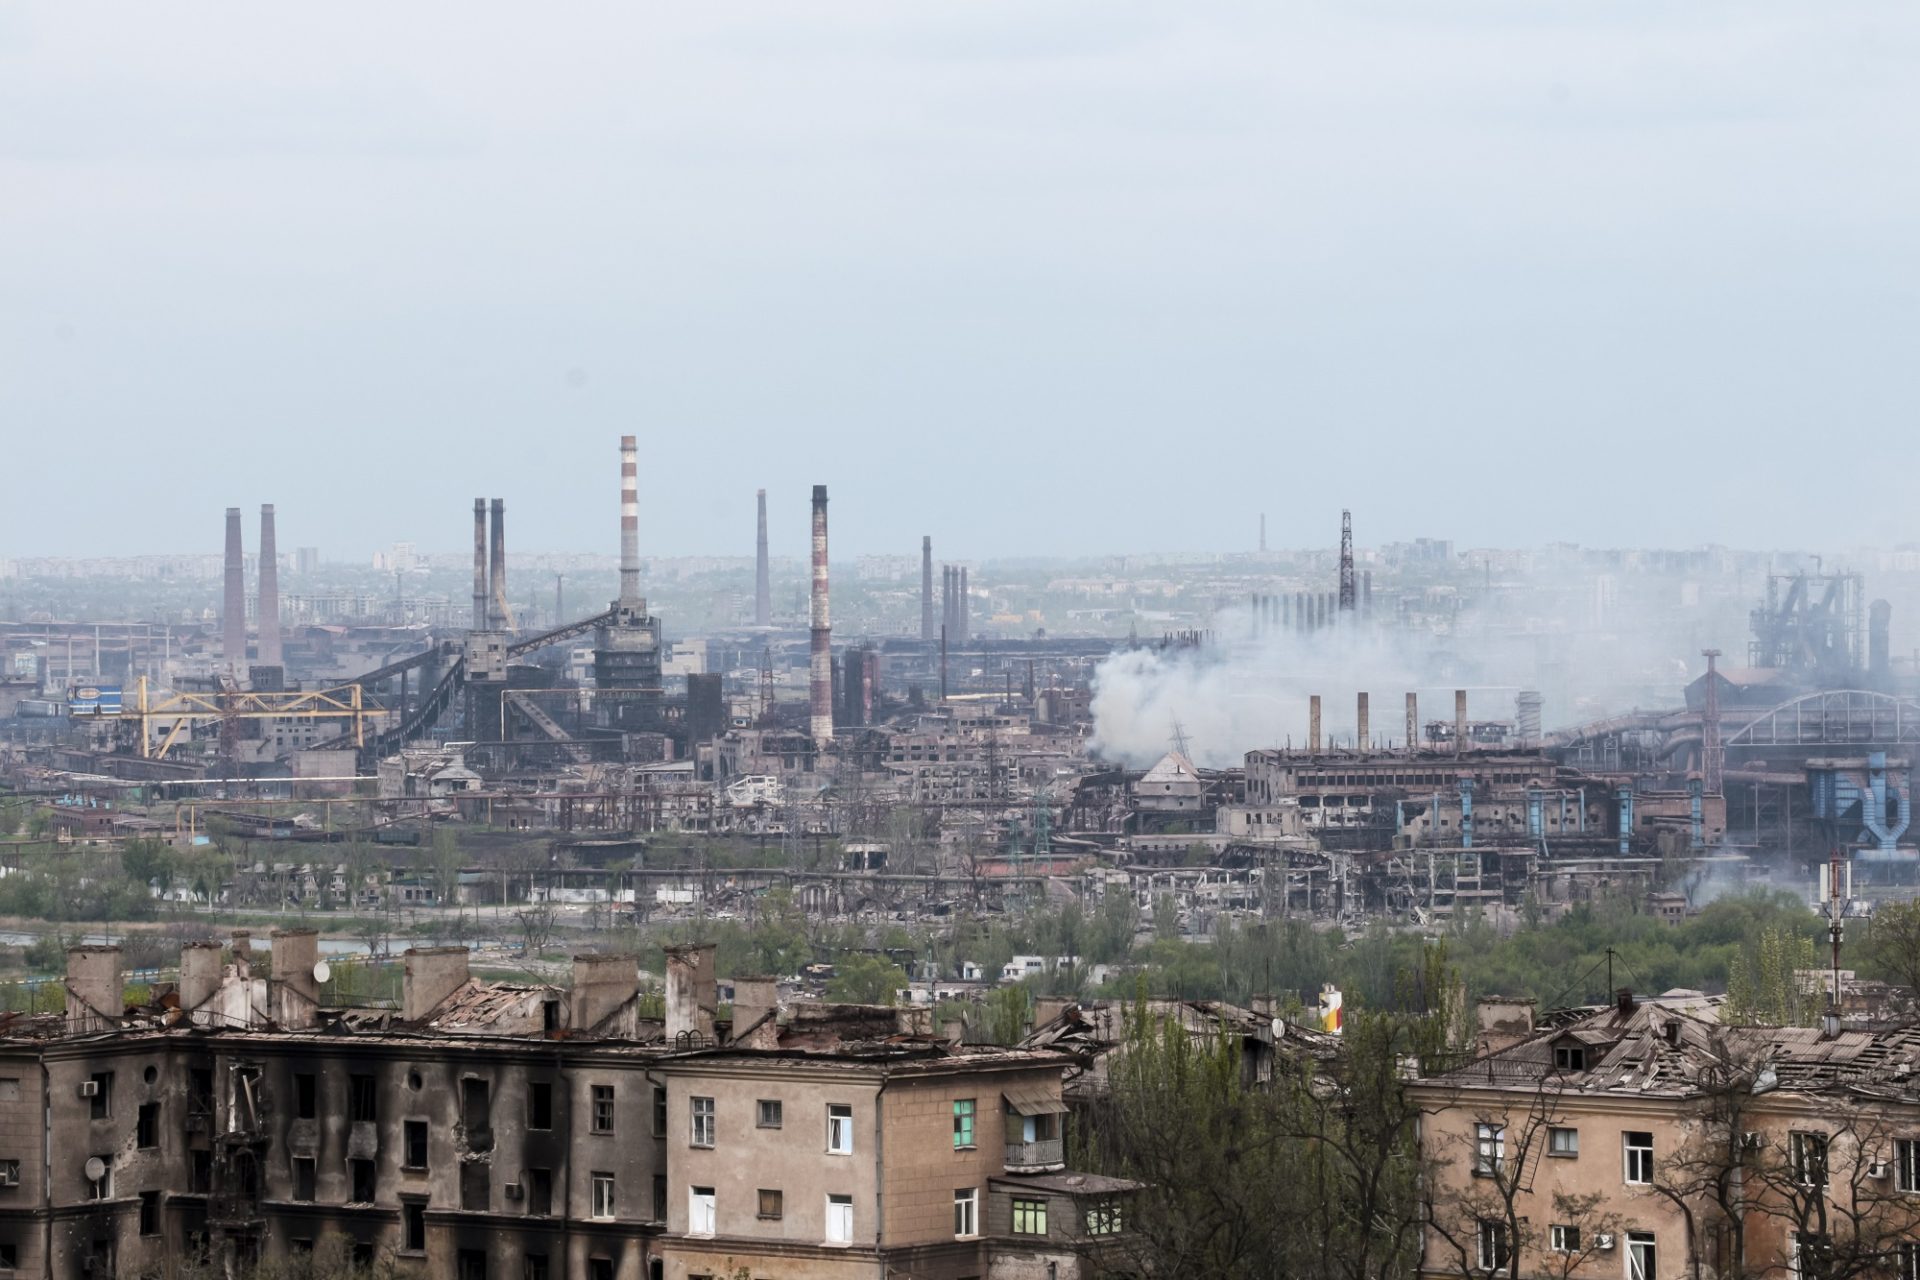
point(1413, 723)
point(497, 572)
point(1366, 591)
point(1313, 724)
point(233, 625)
point(269, 591)
point(479, 564)
point(1286, 612)
point(946, 603)
point(927, 631)
point(1360, 717)
point(1263, 531)
point(1459, 721)
point(1526, 708)
point(820, 684)
point(963, 607)
point(629, 522)
point(762, 572)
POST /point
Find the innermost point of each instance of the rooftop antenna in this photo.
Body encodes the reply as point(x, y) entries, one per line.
point(1836, 913)
point(1180, 739)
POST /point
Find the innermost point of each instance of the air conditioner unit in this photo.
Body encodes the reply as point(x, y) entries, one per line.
point(514, 1191)
point(1878, 1169)
point(1604, 1240)
point(89, 1088)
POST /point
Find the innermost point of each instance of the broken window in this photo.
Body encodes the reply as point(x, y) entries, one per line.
point(539, 1104)
point(362, 1099)
point(471, 1264)
point(413, 1219)
point(540, 1192)
point(1103, 1216)
point(414, 1144)
point(475, 1186)
point(147, 1126)
point(304, 1095)
point(964, 1110)
point(362, 1171)
point(200, 1171)
point(476, 1113)
point(1493, 1246)
point(603, 1108)
point(536, 1268)
point(100, 1096)
point(303, 1177)
point(149, 1213)
point(1810, 1159)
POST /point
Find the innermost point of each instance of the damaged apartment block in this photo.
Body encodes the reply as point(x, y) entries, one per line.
point(523, 1130)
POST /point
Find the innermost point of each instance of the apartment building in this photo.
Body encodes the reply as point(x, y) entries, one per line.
point(489, 1129)
point(1647, 1140)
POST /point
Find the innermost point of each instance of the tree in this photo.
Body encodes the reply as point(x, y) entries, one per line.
point(1764, 986)
point(1893, 943)
point(536, 927)
point(866, 979)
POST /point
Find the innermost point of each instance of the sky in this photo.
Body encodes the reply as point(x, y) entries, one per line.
point(1046, 277)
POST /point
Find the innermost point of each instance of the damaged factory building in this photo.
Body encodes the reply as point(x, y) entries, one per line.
point(514, 1129)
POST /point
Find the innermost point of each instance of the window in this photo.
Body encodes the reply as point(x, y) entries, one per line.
point(1563, 1142)
point(700, 1211)
point(772, 1204)
point(304, 1095)
point(149, 1213)
point(536, 1267)
point(413, 1146)
point(602, 1269)
point(1570, 1057)
point(362, 1171)
point(147, 1127)
point(966, 1212)
point(603, 1108)
point(1908, 1263)
point(476, 1113)
point(1103, 1217)
point(702, 1112)
point(1493, 1247)
point(362, 1104)
point(1563, 1239)
point(9, 1173)
point(1640, 1255)
point(413, 1219)
point(964, 1110)
point(539, 1104)
point(101, 1188)
point(660, 1197)
point(1906, 1164)
point(101, 1105)
point(1489, 1149)
point(1810, 1159)
point(1639, 1149)
point(303, 1177)
point(200, 1171)
point(839, 1219)
point(603, 1201)
point(1811, 1254)
point(1029, 1217)
point(768, 1113)
point(540, 1192)
point(9, 1256)
point(476, 1187)
point(839, 1130)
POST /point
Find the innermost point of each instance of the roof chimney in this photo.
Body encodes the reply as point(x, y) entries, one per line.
point(820, 682)
point(1623, 1000)
point(691, 996)
point(429, 976)
point(95, 1000)
point(296, 991)
point(603, 985)
point(199, 979)
point(756, 1008)
point(269, 590)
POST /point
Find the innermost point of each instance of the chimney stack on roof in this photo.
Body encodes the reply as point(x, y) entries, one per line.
point(296, 991)
point(603, 985)
point(428, 977)
point(692, 997)
point(95, 999)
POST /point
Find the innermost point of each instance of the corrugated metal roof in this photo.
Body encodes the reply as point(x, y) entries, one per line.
point(1033, 1100)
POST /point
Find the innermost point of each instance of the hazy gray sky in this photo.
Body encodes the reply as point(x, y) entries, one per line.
point(1049, 275)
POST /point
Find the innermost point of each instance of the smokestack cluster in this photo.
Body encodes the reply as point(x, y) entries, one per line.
point(953, 587)
point(762, 575)
point(928, 632)
point(233, 622)
point(629, 521)
point(820, 682)
point(269, 590)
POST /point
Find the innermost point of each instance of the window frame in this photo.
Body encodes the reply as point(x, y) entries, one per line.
point(966, 1117)
point(1489, 1148)
point(1643, 1256)
point(966, 1213)
point(1563, 1237)
point(408, 1130)
point(603, 1202)
point(702, 1117)
point(770, 1204)
point(695, 1195)
point(1492, 1246)
point(1636, 1157)
point(839, 1211)
point(600, 1103)
point(769, 1113)
point(542, 1090)
point(1570, 1149)
point(840, 1125)
point(1030, 1211)
point(1906, 1165)
point(1810, 1152)
point(1105, 1216)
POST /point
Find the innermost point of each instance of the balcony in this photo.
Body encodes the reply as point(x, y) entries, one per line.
point(1038, 1156)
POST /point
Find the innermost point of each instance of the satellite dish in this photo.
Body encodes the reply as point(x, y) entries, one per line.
point(96, 1168)
point(322, 971)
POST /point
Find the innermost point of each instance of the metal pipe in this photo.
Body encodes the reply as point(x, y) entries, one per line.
point(233, 623)
point(479, 564)
point(269, 590)
point(629, 521)
point(820, 685)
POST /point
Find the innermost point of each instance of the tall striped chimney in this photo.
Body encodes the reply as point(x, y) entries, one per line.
point(820, 685)
point(479, 564)
point(269, 590)
point(629, 519)
point(762, 572)
point(501, 616)
point(233, 621)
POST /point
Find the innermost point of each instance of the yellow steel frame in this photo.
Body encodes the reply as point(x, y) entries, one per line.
point(342, 703)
